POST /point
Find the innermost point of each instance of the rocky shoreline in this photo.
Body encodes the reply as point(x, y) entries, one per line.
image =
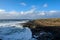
point(43, 32)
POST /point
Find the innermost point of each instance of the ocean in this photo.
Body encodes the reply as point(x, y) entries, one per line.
point(13, 30)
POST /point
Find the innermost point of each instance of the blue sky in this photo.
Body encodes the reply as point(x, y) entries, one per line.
point(29, 9)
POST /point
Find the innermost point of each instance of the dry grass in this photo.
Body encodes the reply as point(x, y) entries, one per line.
point(52, 22)
point(48, 25)
point(48, 22)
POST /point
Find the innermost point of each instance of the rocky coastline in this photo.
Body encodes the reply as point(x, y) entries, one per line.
point(44, 29)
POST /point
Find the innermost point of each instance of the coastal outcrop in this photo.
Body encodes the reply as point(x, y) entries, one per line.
point(48, 27)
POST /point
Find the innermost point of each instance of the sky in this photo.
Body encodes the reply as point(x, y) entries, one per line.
point(29, 9)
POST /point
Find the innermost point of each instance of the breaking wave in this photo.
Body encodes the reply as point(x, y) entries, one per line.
point(14, 31)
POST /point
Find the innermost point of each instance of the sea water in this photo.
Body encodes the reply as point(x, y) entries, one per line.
point(13, 30)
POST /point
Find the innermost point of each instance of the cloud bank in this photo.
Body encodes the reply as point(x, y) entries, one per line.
point(30, 14)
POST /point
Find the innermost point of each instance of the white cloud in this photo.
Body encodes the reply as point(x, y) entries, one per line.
point(45, 5)
point(13, 13)
point(53, 11)
point(32, 13)
point(6, 15)
point(32, 10)
point(41, 13)
point(1, 10)
point(23, 4)
point(22, 13)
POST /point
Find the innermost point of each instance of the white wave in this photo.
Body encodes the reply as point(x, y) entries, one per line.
point(15, 33)
point(13, 23)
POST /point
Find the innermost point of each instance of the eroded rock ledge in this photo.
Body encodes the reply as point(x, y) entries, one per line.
point(46, 25)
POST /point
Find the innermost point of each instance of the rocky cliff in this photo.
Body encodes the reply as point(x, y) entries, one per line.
point(51, 25)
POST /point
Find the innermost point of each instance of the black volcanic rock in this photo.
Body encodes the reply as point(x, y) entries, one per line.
point(37, 26)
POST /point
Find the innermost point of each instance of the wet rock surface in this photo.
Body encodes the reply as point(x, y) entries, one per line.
point(44, 36)
point(46, 33)
point(0, 39)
